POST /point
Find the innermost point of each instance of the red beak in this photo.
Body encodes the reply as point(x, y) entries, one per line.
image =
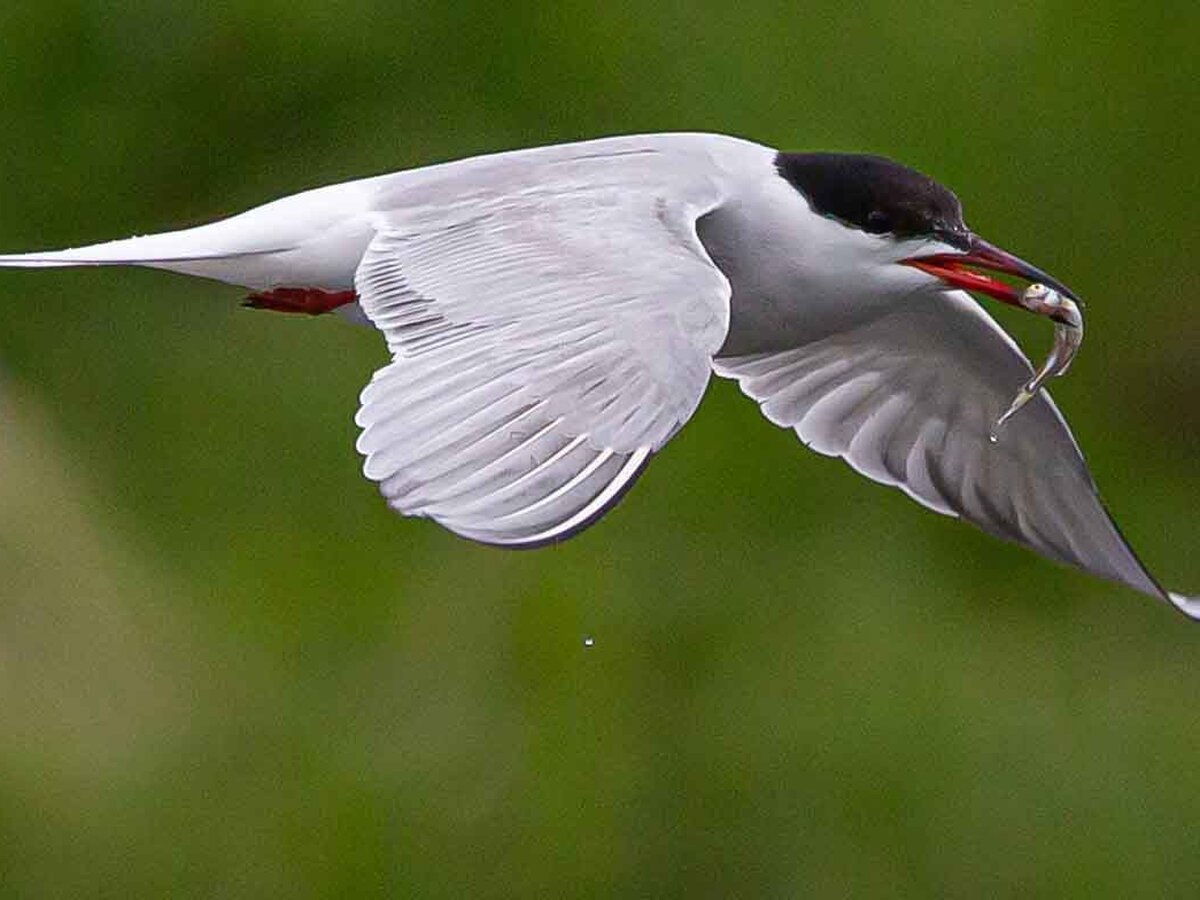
point(958, 270)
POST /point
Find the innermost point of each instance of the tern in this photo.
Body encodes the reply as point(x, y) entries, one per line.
point(554, 316)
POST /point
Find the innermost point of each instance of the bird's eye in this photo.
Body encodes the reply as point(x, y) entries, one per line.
point(878, 222)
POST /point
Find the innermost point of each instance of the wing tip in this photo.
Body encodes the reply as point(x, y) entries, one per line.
point(1189, 606)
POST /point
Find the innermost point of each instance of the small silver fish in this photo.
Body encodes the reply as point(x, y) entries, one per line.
point(1068, 335)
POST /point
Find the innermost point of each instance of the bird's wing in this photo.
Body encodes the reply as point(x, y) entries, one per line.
point(552, 321)
point(909, 400)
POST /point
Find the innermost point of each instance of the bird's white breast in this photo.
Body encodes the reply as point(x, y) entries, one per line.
point(797, 276)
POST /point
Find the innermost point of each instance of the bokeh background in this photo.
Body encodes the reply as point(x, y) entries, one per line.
point(227, 671)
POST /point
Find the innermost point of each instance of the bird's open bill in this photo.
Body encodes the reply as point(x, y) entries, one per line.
point(959, 270)
point(1045, 296)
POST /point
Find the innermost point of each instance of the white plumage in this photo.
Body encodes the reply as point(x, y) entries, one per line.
point(554, 316)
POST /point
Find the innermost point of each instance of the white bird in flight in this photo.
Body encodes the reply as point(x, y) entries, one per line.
point(554, 315)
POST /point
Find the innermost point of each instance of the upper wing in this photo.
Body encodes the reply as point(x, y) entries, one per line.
point(909, 400)
point(552, 319)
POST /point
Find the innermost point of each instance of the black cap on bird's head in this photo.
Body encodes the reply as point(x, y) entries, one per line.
point(878, 196)
point(874, 194)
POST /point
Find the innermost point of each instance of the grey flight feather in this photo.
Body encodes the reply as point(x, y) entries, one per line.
point(909, 399)
point(550, 330)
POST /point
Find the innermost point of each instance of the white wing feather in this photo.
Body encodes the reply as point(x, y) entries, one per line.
point(908, 399)
point(550, 329)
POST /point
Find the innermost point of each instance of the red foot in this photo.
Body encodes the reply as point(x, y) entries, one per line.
point(312, 301)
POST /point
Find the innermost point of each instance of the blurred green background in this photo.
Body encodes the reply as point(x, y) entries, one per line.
point(226, 670)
